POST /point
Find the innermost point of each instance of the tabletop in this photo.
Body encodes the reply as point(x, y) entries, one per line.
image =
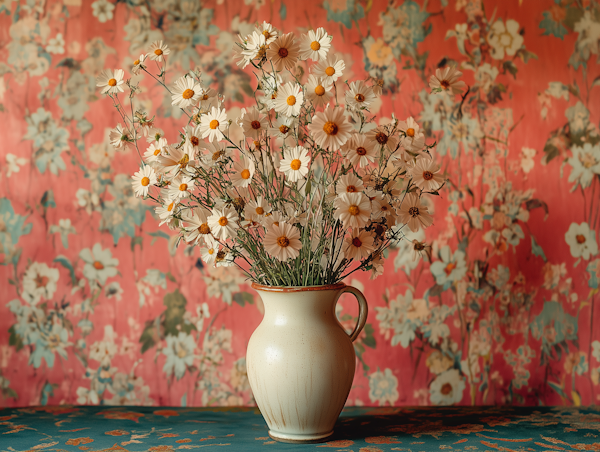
point(359, 429)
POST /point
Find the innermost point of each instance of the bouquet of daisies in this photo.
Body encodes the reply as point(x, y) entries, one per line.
point(314, 191)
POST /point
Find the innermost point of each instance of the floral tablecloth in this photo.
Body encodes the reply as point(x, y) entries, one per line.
point(93, 428)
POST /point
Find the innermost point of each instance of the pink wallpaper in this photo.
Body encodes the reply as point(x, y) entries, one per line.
point(503, 311)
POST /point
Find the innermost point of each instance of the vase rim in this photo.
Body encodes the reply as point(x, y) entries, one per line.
point(285, 289)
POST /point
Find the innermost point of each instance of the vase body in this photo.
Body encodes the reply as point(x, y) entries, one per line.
point(301, 361)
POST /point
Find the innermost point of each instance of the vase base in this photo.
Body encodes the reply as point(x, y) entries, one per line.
point(299, 439)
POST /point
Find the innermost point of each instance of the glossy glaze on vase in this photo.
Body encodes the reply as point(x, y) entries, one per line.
point(301, 362)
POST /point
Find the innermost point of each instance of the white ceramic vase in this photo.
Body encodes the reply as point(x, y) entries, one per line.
point(301, 361)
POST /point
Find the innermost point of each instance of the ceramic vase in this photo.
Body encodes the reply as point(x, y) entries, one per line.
point(301, 361)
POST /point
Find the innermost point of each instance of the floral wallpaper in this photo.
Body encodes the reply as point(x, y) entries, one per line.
point(98, 306)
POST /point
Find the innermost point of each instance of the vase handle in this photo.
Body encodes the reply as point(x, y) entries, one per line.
point(362, 310)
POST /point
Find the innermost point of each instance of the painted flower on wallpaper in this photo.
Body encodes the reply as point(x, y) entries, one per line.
point(505, 39)
point(52, 339)
point(344, 11)
point(582, 240)
point(404, 27)
point(39, 282)
point(585, 164)
point(588, 29)
point(14, 163)
point(180, 352)
point(447, 388)
point(553, 326)
point(99, 264)
point(49, 141)
point(450, 268)
point(383, 387)
point(394, 321)
point(103, 10)
point(64, 228)
point(12, 227)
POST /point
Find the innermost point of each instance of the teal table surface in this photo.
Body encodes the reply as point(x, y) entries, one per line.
point(74, 428)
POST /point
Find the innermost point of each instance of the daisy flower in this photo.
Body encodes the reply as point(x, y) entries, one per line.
point(241, 60)
point(196, 227)
point(331, 68)
point(154, 150)
point(330, 128)
point(358, 245)
point(185, 92)
point(318, 90)
point(295, 163)
point(138, 64)
point(414, 139)
point(414, 214)
point(353, 209)
point(243, 173)
point(447, 81)
point(207, 99)
point(217, 152)
point(273, 218)
point(359, 151)
point(283, 52)
point(426, 175)
point(165, 211)
point(377, 86)
point(193, 135)
point(213, 123)
point(118, 137)
point(282, 241)
point(315, 45)
point(359, 96)
point(222, 222)
point(209, 251)
point(158, 51)
point(256, 210)
point(289, 100)
point(381, 209)
point(173, 159)
point(180, 187)
point(268, 31)
point(142, 180)
point(254, 124)
point(349, 184)
point(111, 82)
point(381, 136)
point(255, 46)
point(283, 127)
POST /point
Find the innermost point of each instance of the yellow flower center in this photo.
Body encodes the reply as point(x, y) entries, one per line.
point(188, 94)
point(284, 129)
point(315, 45)
point(427, 175)
point(205, 97)
point(361, 151)
point(245, 174)
point(291, 100)
point(158, 52)
point(319, 90)
point(283, 241)
point(449, 268)
point(217, 155)
point(255, 125)
point(136, 62)
point(214, 124)
point(256, 144)
point(359, 98)
point(276, 223)
point(410, 132)
point(145, 181)
point(283, 52)
point(266, 34)
point(330, 71)
point(156, 151)
point(184, 160)
point(295, 164)
point(204, 229)
point(260, 210)
point(353, 210)
point(112, 82)
point(211, 251)
point(223, 221)
point(183, 187)
point(580, 238)
point(98, 265)
point(170, 206)
point(330, 128)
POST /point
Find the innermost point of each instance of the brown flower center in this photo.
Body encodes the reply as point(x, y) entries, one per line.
point(204, 229)
point(353, 210)
point(188, 94)
point(283, 241)
point(255, 125)
point(361, 151)
point(351, 189)
point(580, 238)
point(359, 98)
point(283, 52)
point(381, 138)
point(444, 84)
point(330, 128)
point(356, 242)
point(41, 281)
point(184, 160)
point(295, 164)
point(427, 175)
point(195, 141)
point(413, 211)
point(446, 389)
point(284, 129)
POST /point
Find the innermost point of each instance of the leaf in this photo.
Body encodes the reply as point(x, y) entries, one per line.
point(557, 388)
point(536, 203)
point(62, 260)
point(14, 339)
point(137, 240)
point(596, 81)
point(537, 249)
point(509, 67)
point(48, 199)
point(158, 234)
point(576, 398)
point(147, 338)
point(436, 291)
point(369, 339)
point(170, 277)
point(242, 298)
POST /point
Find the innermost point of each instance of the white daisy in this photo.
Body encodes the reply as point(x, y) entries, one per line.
point(193, 135)
point(256, 210)
point(414, 139)
point(196, 224)
point(268, 31)
point(154, 150)
point(447, 81)
point(213, 123)
point(414, 214)
point(330, 128)
point(359, 151)
point(282, 241)
point(318, 90)
point(243, 172)
point(111, 82)
point(353, 209)
point(331, 68)
point(142, 180)
point(255, 46)
point(158, 51)
point(39, 282)
point(185, 92)
point(359, 245)
point(209, 251)
point(284, 52)
point(349, 184)
point(180, 187)
point(208, 98)
point(283, 127)
point(425, 174)
point(273, 218)
point(119, 138)
point(241, 59)
point(165, 211)
point(315, 45)
point(381, 136)
point(377, 86)
point(223, 222)
point(216, 153)
point(295, 163)
point(359, 96)
point(138, 64)
point(289, 100)
point(172, 159)
point(381, 209)
point(254, 124)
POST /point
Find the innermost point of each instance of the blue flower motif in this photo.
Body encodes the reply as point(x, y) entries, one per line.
point(451, 267)
point(12, 227)
point(552, 27)
point(50, 341)
point(403, 27)
point(49, 141)
point(553, 325)
point(353, 11)
point(383, 387)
